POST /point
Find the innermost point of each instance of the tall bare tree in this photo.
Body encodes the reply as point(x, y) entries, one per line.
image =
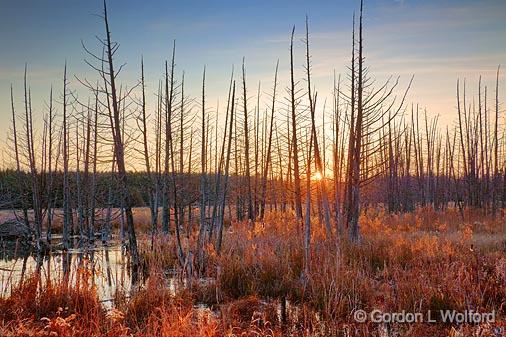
point(269, 146)
point(294, 141)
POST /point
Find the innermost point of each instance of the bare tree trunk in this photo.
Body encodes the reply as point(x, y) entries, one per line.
point(158, 163)
point(337, 154)
point(67, 211)
point(351, 141)
point(258, 143)
point(307, 232)
point(86, 177)
point(203, 182)
point(269, 145)
point(33, 169)
point(219, 174)
point(314, 137)
point(49, 191)
point(119, 148)
point(153, 206)
point(281, 182)
point(295, 155)
point(246, 146)
point(165, 192)
point(19, 176)
point(170, 152)
point(79, 197)
point(357, 146)
point(219, 237)
point(496, 146)
point(93, 193)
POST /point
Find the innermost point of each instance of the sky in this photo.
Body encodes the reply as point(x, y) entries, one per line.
point(437, 41)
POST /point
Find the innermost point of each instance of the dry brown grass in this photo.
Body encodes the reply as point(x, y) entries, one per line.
point(65, 307)
point(415, 262)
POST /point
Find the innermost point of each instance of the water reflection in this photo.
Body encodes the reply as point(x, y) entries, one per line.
point(108, 268)
point(109, 271)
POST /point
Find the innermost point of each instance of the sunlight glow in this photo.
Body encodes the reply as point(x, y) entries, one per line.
point(318, 176)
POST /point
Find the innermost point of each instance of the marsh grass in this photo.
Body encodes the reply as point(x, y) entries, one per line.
point(417, 262)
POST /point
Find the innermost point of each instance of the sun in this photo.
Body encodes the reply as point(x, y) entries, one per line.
point(318, 176)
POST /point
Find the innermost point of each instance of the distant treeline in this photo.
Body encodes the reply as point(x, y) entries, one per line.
point(399, 194)
point(106, 191)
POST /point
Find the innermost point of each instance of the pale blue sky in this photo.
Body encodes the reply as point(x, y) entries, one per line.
point(436, 40)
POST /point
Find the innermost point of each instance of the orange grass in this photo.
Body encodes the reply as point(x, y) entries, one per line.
point(421, 261)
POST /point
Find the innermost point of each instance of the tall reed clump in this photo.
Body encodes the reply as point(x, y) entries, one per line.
point(263, 260)
point(154, 296)
point(67, 307)
point(159, 253)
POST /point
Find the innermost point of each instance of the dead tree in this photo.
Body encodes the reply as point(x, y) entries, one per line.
point(203, 181)
point(496, 147)
point(166, 182)
point(259, 143)
point(109, 74)
point(152, 195)
point(67, 211)
point(49, 190)
point(375, 108)
point(32, 165)
point(79, 185)
point(218, 177)
point(219, 235)
point(249, 199)
point(19, 178)
point(356, 147)
point(314, 137)
point(93, 188)
point(269, 146)
point(351, 136)
point(307, 229)
point(179, 247)
point(294, 141)
point(337, 153)
point(158, 158)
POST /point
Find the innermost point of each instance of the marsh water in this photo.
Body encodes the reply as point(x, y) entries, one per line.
point(108, 268)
